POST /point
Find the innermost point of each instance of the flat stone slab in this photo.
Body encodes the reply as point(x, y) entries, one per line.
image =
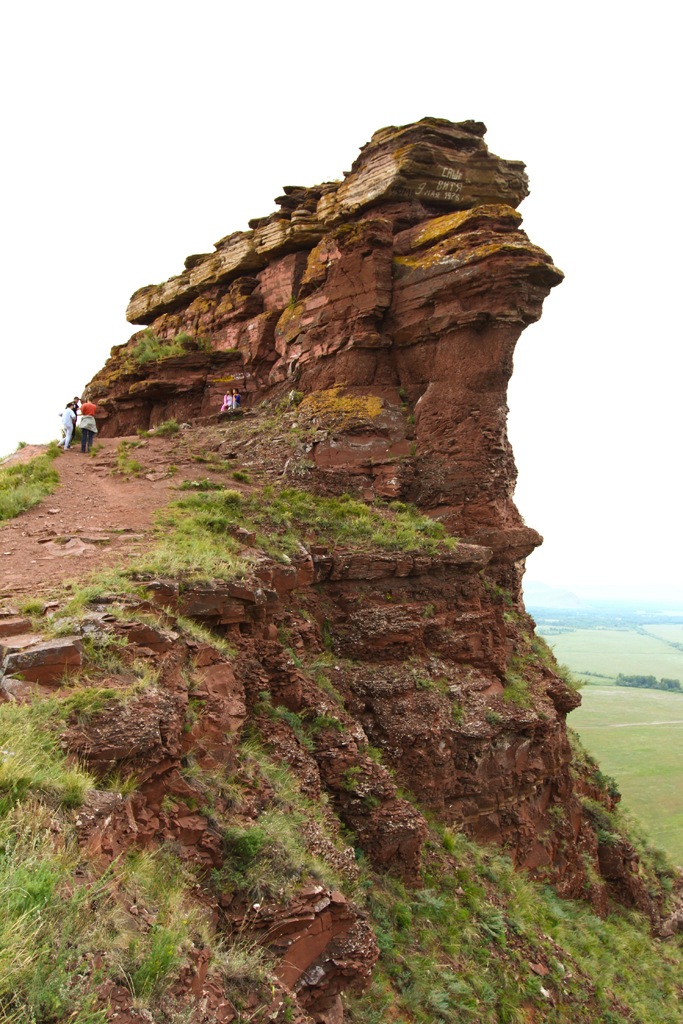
point(18, 641)
point(142, 635)
point(13, 625)
point(45, 662)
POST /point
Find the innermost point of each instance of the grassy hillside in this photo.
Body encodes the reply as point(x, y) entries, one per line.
point(25, 484)
point(475, 941)
point(472, 940)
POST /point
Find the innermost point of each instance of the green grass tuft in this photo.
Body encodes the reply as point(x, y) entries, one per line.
point(32, 763)
point(126, 465)
point(151, 349)
point(25, 484)
point(198, 530)
point(166, 429)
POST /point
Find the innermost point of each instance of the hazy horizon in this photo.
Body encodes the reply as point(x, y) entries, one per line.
point(664, 597)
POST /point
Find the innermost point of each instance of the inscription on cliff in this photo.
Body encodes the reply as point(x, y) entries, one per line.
point(445, 187)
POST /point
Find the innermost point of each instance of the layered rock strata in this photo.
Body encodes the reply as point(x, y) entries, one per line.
point(390, 303)
point(379, 316)
point(410, 280)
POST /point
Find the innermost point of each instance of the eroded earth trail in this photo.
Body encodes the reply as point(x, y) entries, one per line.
point(95, 517)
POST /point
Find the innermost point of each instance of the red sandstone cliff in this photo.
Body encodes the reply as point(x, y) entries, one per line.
point(391, 304)
point(379, 315)
point(411, 280)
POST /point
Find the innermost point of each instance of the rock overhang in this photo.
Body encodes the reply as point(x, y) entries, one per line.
point(433, 161)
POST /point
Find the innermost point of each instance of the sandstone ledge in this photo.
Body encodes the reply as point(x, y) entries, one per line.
point(434, 162)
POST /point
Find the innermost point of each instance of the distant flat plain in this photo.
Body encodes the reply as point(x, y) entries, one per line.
point(647, 650)
point(635, 734)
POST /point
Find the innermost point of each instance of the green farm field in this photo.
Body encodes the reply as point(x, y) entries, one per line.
point(637, 737)
point(647, 650)
point(670, 633)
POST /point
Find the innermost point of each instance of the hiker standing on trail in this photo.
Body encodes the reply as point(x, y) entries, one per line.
point(68, 424)
point(88, 425)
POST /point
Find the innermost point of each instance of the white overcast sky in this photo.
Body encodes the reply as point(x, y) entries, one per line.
point(137, 133)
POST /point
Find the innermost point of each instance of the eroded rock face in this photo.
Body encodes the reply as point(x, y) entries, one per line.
point(387, 307)
point(424, 684)
point(410, 281)
point(434, 161)
point(322, 945)
point(392, 303)
point(37, 660)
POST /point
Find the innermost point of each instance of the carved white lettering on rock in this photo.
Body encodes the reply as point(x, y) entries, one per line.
point(448, 190)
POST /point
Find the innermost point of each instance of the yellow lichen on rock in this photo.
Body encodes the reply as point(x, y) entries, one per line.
point(336, 412)
point(441, 227)
point(288, 325)
point(455, 255)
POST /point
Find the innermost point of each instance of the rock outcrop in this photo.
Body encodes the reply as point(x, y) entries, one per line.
point(374, 320)
point(388, 306)
point(410, 282)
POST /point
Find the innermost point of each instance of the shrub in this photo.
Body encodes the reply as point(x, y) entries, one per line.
point(165, 429)
point(151, 349)
point(244, 845)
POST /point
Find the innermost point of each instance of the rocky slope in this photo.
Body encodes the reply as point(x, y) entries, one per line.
point(382, 655)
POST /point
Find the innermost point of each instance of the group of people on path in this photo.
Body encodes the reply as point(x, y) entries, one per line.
point(86, 410)
point(232, 401)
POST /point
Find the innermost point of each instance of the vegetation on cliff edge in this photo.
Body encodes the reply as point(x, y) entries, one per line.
point(198, 533)
point(25, 484)
point(476, 941)
point(482, 943)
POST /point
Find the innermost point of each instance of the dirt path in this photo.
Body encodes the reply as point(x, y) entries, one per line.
point(94, 518)
point(98, 517)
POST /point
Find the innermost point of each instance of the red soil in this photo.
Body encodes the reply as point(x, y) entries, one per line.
point(95, 517)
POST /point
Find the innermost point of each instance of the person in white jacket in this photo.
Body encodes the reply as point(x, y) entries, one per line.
point(68, 424)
